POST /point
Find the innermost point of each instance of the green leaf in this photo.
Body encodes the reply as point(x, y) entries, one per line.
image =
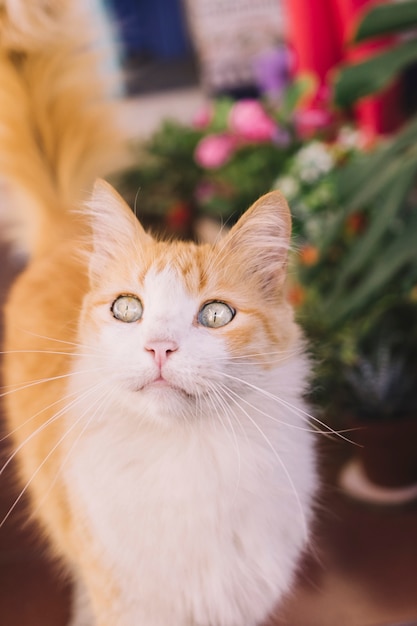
point(386, 266)
point(360, 182)
point(362, 79)
point(387, 18)
point(362, 253)
point(298, 90)
point(221, 113)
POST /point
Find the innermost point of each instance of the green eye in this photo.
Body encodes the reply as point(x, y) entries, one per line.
point(127, 309)
point(216, 314)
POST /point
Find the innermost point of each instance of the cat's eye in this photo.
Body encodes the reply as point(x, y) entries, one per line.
point(215, 314)
point(127, 309)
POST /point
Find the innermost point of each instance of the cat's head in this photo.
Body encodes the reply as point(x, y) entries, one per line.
point(174, 323)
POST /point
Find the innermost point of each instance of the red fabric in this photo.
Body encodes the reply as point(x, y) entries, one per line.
point(320, 32)
point(316, 42)
point(378, 114)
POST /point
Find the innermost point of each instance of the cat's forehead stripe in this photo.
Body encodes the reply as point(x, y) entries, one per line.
point(187, 260)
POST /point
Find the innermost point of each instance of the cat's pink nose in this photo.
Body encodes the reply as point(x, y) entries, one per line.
point(161, 350)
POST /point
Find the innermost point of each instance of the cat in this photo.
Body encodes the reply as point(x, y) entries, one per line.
point(154, 389)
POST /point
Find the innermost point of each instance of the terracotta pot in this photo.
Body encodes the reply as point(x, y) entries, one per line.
point(388, 451)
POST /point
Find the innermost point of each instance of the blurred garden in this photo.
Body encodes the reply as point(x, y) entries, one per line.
point(335, 131)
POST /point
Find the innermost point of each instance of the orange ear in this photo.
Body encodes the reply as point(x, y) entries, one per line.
point(115, 229)
point(260, 240)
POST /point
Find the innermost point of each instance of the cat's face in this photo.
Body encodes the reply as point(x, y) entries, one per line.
point(174, 324)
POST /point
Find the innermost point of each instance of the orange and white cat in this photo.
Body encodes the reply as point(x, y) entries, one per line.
point(154, 388)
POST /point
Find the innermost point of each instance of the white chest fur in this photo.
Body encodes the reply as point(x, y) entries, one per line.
point(200, 524)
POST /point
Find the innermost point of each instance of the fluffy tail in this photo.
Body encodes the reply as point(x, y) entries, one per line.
point(59, 124)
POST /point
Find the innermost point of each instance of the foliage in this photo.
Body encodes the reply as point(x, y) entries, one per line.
point(361, 79)
point(354, 271)
point(220, 164)
point(359, 298)
point(383, 376)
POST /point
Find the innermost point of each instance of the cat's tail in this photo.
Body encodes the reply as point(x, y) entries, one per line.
point(59, 120)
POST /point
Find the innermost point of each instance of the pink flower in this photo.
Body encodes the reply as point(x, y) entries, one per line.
point(203, 117)
point(214, 150)
point(249, 120)
point(311, 120)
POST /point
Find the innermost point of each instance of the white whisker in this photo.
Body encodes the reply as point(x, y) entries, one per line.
point(272, 418)
point(225, 409)
point(44, 425)
point(75, 344)
point(10, 433)
point(280, 461)
point(99, 402)
point(292, 408)
point(21, 386)
point(282, 354)
point(51, 451)
point(70, 353)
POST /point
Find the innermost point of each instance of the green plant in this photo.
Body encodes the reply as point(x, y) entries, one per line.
point(355, 220)
point(377, 72)
point(366, 275)
point(381, 383)
point(354, 271)
point(220, 164)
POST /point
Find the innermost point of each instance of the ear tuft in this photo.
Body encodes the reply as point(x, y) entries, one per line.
point(116, 232)
point(260, 240)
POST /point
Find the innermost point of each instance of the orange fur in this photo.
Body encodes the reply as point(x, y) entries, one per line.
point(39, 310)
point(59, 130)
point(56, 134)
point(59, 127)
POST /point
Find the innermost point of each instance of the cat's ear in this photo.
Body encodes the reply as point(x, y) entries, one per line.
point(116, 231)
point(257, 245)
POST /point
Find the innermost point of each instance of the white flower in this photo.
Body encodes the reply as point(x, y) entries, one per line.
point(313, 161)
point(350, 138)
point(288, 185)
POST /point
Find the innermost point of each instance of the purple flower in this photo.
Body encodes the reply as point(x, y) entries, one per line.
point(214, 150)
point(248, 120)
point(272, 70)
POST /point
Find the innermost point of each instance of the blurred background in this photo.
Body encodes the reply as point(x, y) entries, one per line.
point(226, 100)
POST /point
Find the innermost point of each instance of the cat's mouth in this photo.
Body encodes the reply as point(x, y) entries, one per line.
point(161, 384)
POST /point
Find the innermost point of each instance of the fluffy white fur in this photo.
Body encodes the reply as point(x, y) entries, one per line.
point(202, 508)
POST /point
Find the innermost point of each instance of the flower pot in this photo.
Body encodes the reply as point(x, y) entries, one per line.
point(384, 467)
point(389, 452)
